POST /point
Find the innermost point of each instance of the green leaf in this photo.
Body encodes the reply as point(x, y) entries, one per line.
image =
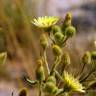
point(3, 57)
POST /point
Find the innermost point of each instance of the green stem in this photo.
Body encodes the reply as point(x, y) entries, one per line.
point(59, 76)
point(91, 71)
point(79, 74)
point(55, 65)
point(40, 90)
point(46, 63)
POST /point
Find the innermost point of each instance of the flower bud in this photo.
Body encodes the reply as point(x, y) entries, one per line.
point(66, 24)
point(39, 62)
point(59, 36)
point(66, 59)
point(40, 75)
point(43, 41)
point(57, 51)
point(51, 79)
point(51, 88)
point(93, 55)
point(70, 31)
point(56, 29)
point(86, 59)
point(68, 16)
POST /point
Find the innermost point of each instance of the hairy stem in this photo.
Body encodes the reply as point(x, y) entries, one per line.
point(46, 63)
point(91, 71)
point(57, 60)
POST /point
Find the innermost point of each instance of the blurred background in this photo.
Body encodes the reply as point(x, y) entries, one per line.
point(20, 38)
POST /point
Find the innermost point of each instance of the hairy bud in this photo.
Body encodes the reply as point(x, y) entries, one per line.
point(40, 75)
point(66, 59)
point(86, 59)
point(51, 88)
point(51, 79)
point(70, 31)
point(56, 29)
point(43, 41)
point(57, 51)
point(59, 36)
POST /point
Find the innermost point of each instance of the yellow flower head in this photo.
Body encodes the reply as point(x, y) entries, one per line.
point(72, 84)
point(45, 22)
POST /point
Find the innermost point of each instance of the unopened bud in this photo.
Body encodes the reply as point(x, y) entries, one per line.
point(70, 31)
point(52, 79)
point(68, 16)
point(59, 37)
point(57, 51)
point(66, 59)
point(44, 41)
point(51, 88)
point(40, 74)
point(86, 59)
point(56, 29)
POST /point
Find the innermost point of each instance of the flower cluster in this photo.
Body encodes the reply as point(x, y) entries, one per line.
point(57, 82)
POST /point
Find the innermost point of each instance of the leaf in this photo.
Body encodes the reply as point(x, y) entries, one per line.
point(31, 81)
point(3, 57)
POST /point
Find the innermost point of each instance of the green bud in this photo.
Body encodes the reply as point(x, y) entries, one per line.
point(39, 62)
point(51, 79)
point(57, 51)
point(40, 75)
point(23, 92)
point(51, 88)
point(66, 24)
point(44, 41)
point(86, 59)
point(93, 55)
point(66, 59)
point(56, 29)
point(59, 36)
point(68, 16)
point(70, 31)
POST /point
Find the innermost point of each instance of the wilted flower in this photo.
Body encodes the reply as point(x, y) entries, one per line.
point(45, 22)
point(72, 84)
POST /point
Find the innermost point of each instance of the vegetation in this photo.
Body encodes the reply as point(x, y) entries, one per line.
point(58, 81)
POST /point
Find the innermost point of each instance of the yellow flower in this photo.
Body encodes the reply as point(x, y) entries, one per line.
point(45, 22)
point(72, 84)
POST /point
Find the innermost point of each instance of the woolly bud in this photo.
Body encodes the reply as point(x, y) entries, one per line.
point(39, 62)
point(59, 36)
point(93, 55)
point(70, 31)
point(43, 41)
point(51, 88)
point(51, 79)
point(57, 51)
point(40, 75)
point(68, 16)
point(86, 59)
point(56, 29)
point(66, 59)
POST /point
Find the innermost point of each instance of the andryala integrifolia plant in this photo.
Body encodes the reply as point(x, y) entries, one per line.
point(50, 83)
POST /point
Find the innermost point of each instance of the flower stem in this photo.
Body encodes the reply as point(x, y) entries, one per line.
point(91, 71)
point(40, 91)
point(46, 63)
point(55, 65)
